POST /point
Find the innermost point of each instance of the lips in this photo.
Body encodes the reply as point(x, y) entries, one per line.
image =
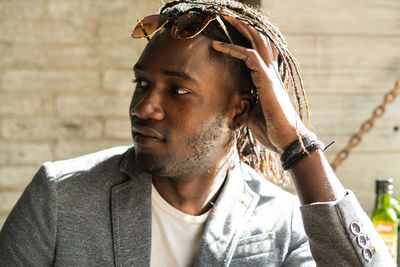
point(144, 134)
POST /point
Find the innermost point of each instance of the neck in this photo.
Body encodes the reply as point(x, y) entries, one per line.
point(193, 195)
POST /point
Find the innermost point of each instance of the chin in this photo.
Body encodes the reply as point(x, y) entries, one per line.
point(168, 166)
point(149, 164)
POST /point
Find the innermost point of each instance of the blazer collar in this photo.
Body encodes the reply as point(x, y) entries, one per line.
point(131, 216)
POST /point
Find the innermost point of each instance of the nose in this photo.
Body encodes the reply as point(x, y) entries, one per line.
point(147, 106)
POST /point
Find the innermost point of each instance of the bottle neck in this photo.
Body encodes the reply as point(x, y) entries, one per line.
point(383, 200)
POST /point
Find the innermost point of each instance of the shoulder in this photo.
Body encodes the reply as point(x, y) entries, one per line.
point(89, 174)
point(94, 163)
point(83, 183)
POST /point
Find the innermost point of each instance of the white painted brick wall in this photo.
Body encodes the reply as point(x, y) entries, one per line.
point(66, 71)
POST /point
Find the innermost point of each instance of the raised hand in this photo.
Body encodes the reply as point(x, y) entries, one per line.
point(274, 121)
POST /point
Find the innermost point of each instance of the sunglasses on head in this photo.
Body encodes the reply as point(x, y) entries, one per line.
point(186, 26)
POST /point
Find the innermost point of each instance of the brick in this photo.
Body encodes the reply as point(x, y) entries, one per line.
point(127, 10)
point(118, 129)
point(37, 80)
point(78, 56)
point(355, 81)
point(120, 56)
point(50, 128)
point(22, 56)
point(55, 32)
point(34, 154)
point(96, 105)
point(347, 112)
point(118, 80)
point(33, 9)
point(74, 128)
point(17, 105)
point(71, 149)
point(16, 177)
point(76, 11)
point(316, 17)
point(8, 200)
point(118, 32)
point(7, 57)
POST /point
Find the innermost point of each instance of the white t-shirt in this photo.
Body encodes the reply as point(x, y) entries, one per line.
point(176, 236)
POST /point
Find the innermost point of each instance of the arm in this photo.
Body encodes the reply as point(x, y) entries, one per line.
point(29, 234)
point(314, 179)
point(341, 239)
point(327, 223)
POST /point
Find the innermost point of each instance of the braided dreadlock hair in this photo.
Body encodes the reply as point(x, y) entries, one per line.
point(264, 161)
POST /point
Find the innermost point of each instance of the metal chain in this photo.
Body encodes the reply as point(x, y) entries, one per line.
point(356, 139)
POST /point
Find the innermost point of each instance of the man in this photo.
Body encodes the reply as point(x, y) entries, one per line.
point(181, 196)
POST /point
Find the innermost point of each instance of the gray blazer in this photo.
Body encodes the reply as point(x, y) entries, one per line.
point(96, 211)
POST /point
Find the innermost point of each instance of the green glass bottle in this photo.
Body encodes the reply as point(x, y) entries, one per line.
point(384, 216)
point(396, 206)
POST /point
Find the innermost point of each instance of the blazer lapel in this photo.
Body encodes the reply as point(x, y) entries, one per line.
point(227, 221)
point(131, 218)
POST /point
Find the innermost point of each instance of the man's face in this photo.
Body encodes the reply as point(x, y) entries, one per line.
point(181, 107)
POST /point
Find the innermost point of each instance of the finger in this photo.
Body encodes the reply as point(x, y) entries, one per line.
point(262, 76)
point(243, 27)
point(249, 56)
point(259, 41)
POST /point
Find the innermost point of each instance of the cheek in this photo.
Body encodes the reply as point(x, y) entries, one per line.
point(184, 123)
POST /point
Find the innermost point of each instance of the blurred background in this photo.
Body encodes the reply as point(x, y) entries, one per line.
point(66, 71)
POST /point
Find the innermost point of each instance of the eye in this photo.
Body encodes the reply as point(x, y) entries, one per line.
point(179, 90)
point(141, 83)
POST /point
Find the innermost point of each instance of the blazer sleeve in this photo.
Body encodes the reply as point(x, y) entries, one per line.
point(28, 236)
point(341, 234)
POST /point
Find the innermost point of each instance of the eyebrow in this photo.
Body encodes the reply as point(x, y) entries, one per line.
point(179, 74)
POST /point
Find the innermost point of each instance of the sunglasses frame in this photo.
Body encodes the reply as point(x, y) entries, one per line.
point(169, 19)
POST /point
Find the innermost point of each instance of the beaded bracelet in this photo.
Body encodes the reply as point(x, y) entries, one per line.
point(295, 152)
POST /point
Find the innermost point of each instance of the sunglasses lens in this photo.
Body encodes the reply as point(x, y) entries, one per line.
point(148, 25)
point(189, 25)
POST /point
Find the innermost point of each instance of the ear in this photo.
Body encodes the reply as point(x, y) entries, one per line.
point(241, 111)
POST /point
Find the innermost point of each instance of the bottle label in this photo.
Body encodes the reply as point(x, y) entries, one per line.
point(388, 232)
point(384, 228)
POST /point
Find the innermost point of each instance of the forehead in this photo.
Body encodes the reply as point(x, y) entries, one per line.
point(193, 56)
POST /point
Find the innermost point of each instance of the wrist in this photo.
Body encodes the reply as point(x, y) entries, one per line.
point(293, 137)
point(299, 149)
point(290, 132)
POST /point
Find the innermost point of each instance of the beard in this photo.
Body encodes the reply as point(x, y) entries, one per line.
point(200, 155)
